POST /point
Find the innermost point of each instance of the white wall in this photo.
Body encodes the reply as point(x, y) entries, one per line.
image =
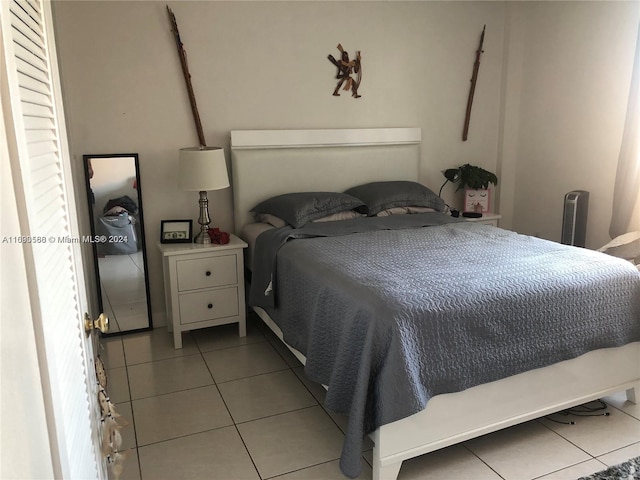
point(570, 70)
point(113, 178)
point(262, 65)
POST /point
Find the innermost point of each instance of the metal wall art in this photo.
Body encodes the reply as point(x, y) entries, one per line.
point(347, 68)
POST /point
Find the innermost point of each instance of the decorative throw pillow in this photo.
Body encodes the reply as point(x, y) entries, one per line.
point(380, 196)
point(297, 209)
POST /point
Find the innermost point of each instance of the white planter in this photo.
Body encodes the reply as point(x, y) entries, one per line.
point(477, 200)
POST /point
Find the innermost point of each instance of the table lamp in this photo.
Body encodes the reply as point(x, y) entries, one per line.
point(451, 175)
point(202, 169)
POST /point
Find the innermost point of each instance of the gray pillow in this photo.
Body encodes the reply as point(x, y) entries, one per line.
point(383, 195)
point(297, 209)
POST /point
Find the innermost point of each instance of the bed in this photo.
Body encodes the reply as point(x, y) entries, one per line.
point(271, 163)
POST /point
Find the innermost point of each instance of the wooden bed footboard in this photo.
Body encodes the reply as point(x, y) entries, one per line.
point(456, 417)
point(453, 418)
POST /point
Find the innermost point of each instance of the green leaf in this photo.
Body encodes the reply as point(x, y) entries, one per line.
point(476, 178)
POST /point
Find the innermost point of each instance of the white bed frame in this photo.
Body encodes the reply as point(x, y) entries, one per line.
point(267, 163)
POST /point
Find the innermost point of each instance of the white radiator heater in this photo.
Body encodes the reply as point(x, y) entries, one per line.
point(574, 219)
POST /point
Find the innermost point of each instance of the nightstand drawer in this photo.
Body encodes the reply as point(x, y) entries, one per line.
point(208, 305)
point(206, 272)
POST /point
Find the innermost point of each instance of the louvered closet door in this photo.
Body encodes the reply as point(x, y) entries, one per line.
point(42, 177)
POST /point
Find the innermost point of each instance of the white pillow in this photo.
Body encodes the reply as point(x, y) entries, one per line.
point(346, 215)
point(404, 210)
point(277, 222)
point(272, 220)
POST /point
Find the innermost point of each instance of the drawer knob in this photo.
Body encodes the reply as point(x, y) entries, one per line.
point(208, 273)
point(210, 305)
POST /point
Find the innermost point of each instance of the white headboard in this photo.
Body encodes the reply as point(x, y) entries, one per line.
point(272, 162)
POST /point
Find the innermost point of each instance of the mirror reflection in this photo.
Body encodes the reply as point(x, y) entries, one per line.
point(115, 208)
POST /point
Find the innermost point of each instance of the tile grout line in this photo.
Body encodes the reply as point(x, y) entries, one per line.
point(234, 423)
point(318, 403)
point(615, 450)
point(564, 468)
point(464, 444)
point(133, 420)
point(298, 470)
point(224, 402)
point(566, 439)
point(289, 368)
point(593, 457)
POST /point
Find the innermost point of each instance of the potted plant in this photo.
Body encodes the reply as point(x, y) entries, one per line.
point(475, 182)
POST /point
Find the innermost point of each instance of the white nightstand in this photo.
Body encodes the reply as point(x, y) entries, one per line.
point(487, 219)
point(203, 286)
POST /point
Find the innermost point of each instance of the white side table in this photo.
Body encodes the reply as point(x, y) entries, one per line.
point(203, 286)
point(487, 219)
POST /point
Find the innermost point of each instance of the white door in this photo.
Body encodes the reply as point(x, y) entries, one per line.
point(41, 171)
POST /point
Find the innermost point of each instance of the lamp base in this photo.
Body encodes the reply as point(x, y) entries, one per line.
point(203, 238)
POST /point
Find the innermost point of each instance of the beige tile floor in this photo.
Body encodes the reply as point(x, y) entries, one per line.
point(124, 296)
point(232, 408)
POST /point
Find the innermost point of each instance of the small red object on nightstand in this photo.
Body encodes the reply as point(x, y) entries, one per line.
point(218, 237)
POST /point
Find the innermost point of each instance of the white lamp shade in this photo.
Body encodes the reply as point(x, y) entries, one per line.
point(202, 168)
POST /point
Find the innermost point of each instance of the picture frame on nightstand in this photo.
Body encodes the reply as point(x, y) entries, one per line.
point(176, 231)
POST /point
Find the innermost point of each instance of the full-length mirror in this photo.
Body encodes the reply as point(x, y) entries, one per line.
point(117, 228)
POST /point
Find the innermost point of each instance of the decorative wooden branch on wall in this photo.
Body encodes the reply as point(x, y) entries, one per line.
point(474, 79)
point(187, 76)
point(346, 68)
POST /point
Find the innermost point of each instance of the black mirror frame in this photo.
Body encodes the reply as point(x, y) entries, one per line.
point(85, 162)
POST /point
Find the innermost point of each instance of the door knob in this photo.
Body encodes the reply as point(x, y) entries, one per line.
point(101, 323)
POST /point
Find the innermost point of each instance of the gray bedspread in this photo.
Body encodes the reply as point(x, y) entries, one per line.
point(396, 314)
